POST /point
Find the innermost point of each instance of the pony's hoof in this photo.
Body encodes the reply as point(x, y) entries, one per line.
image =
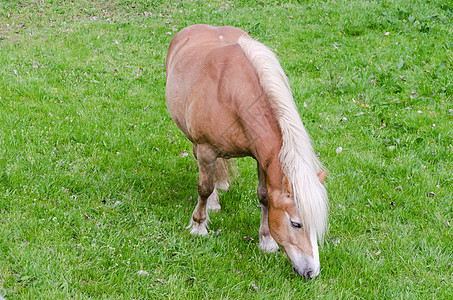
point(198, 228)
point(267, 244)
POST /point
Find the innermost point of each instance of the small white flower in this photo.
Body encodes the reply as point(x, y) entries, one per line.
point(339, 149)
point(142, 272)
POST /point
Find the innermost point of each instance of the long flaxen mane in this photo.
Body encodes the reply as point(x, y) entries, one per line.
point(297, 158)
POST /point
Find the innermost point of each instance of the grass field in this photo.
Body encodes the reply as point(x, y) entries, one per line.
point(96, 187)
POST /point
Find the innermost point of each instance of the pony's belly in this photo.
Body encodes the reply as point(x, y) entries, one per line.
point(227, 141)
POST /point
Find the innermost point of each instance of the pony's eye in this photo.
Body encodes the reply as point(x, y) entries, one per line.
point(296, 225)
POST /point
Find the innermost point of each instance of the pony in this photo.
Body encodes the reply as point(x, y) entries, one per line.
point(231, 98)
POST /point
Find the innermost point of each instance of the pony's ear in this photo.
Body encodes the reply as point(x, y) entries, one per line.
point(322, 176)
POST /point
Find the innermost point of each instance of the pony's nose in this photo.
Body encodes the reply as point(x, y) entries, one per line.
point(307, 273)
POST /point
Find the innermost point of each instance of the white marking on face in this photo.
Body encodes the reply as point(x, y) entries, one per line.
point(314, 245)
point(221, 37)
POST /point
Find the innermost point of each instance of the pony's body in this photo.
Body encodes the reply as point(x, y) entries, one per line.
point(224, 101)
point(201, 71)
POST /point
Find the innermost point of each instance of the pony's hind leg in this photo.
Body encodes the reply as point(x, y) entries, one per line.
point(267, 242)
point(222, 170)
point(206, 158)
point(213, 201)
point(225, 170)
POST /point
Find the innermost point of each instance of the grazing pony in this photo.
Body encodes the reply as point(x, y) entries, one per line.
point(231, 98)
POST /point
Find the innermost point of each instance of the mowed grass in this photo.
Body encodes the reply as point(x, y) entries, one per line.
point(96, 188)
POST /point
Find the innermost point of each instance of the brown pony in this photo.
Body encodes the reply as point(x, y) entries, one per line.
point(231, 98)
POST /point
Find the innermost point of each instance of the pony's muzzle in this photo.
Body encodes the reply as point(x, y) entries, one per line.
point(306, 273)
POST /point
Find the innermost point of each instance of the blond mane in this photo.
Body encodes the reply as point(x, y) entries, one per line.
point(297, 157)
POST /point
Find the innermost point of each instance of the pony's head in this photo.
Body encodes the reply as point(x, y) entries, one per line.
point(287, 228)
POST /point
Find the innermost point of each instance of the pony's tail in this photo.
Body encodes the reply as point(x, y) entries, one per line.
point(225, 170)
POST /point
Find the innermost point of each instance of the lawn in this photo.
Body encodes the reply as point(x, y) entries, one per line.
point(96, 187)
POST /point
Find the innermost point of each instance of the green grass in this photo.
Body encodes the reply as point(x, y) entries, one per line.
point(94, 189)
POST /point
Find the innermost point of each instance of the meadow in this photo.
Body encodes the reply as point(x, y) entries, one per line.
point(97, 184)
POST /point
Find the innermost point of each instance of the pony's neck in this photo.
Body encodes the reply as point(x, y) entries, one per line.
point(274, 183)
point(267, 155)
point(274, 176)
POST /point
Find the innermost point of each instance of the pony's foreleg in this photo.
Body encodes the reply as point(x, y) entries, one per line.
point(267, 242)
point(206, 158)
